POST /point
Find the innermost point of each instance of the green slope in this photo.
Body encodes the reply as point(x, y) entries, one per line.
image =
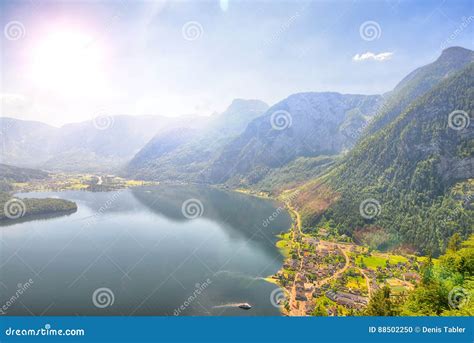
point(419, 82)
point(13, 210)
point(410, 168)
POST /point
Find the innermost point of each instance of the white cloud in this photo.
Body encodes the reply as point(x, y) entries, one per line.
point(370, 56)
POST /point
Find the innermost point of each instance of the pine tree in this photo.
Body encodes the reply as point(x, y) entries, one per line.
point(380, 304)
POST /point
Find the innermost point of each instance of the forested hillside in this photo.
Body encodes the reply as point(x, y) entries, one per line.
point(13, 209)
point(420, 81)
point(16, 174)
point(410, 179)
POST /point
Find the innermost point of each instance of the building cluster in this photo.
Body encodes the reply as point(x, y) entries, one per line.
point(348, 300)
point(323, 261)
point(314, 271)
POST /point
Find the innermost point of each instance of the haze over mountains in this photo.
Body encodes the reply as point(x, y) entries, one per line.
point(182, 154)
point(338, 149)
point(102, 145)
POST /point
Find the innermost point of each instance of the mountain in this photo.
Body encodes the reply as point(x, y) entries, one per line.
point(236, 117)
point(302, 125)
point(288, 136)
point(320, 124)
point(96, 145)
point(183, 154)
point(409, 184)
point(108, 148)
point(16, 174)
point(26, 143)
point(294, 174)
point(160, 145)
point(11, 174)
point(419, 82)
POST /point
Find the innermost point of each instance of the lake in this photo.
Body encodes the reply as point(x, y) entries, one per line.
point(160, 250)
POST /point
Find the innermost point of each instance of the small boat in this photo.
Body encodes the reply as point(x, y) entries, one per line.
point(245, 306)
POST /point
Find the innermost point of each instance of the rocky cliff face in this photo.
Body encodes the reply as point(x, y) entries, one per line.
point(303, 125)
point(456, 168)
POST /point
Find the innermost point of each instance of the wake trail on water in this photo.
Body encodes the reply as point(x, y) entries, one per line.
point(227, 305)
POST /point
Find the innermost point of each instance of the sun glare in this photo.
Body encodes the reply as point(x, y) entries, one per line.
point(67, 61)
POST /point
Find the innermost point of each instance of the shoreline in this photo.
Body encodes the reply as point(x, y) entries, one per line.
point(295, 224)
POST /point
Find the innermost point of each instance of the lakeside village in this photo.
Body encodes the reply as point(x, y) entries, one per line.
point(87, 182)
point(324, 274)
point(327, 275)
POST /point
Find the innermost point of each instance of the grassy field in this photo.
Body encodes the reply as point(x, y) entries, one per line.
point(379, 260)
point(357, 282)
point(397, 286)
point(284, 244)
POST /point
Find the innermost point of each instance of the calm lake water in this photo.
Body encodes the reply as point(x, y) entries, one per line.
point(148, 256)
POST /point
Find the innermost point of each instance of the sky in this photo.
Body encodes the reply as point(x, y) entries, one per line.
point(71, 61)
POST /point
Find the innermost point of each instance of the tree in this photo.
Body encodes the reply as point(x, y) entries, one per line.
point(428, 299)
point(380, 304)
point(454, 242)
point(319, 311)
point(427, 271)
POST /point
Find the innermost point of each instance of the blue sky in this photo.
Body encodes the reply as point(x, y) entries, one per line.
point(71, 61)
